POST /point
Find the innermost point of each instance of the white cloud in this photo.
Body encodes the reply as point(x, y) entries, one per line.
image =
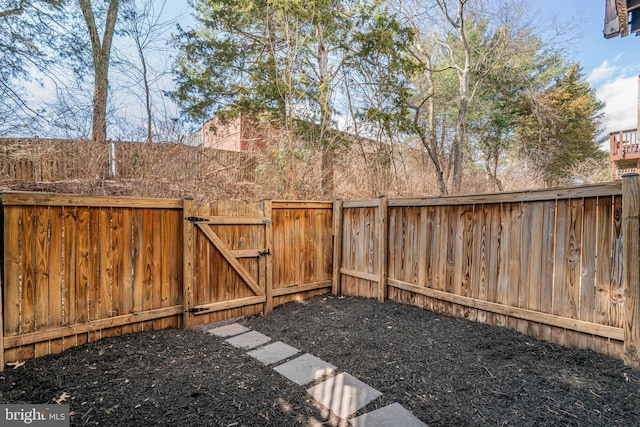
point(620, 96)
point(603, 72)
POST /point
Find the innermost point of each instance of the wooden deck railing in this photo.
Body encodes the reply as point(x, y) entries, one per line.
point(624, 142)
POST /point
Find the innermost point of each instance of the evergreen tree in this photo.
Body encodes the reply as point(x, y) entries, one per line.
point(560, 127)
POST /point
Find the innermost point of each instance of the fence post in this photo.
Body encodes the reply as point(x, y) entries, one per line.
point(337, 245)
point(383, 242)
point(631, 268)
point(3, 269)
point(188, 237)
point(268, 237)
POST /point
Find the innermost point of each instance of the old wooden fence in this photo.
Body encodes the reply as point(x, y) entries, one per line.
point(80, 268)
point(561, 265)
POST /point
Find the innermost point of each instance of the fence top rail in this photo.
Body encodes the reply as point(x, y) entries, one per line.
point(593, 190)
point(23, 198)
point(300, 204)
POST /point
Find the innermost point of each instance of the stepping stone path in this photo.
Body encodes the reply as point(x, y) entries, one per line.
point(305, 369)
point(342, 393)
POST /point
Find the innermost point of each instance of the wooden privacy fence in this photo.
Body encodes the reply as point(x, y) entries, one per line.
point(76, 269)
point(559, 265)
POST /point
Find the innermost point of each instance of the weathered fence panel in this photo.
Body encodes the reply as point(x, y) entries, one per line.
point(80, 268)
point(545, 263)
point(302, 249)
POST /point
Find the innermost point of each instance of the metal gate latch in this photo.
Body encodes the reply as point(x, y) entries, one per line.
point(263, 253)
point(196, 219)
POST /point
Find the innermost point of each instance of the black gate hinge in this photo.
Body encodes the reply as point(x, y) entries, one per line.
point(263, 253)
point(196, 219)
point(198, 309)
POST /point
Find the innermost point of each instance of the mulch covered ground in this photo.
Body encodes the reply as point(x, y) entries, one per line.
point(447, 372)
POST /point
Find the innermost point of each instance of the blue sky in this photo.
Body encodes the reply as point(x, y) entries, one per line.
point(611, 65)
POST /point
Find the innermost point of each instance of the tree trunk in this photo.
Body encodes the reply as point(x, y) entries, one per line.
point(101, 51)
point(325, 115)
point(101, 85)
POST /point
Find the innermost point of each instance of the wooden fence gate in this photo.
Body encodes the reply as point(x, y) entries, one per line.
point(227, 256)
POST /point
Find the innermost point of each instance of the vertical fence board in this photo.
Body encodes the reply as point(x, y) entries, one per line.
point(515, 257)
point(382, 222)
point(28, 279)
point(158, 279)
point(588, 268)
point(527, 254)
point(504, 252)
point(480, 260)
point(424, 237)
point(176, 255)
point(495, 241)
point(457, 258)
point(631, 272)
point(166, 265)
point(93, 292)
point(188, 260)
point(616, 309)
point(82, 270)
point(128, 265)
point(338, 244)
point(105, 268)
point(548, 265)
point(12, 278)
point(268, 263)
point(603, 267)
point(560, 273)
point(41, 276)
point(55, 274)
point(572, 283)
point(469, 238)
point(118, 237)
point(394, 249)
point(535, 256)
point(70, 261)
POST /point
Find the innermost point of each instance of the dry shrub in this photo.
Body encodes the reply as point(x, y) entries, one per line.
point(282, 168)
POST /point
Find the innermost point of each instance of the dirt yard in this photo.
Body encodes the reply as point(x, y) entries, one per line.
point(447, 372)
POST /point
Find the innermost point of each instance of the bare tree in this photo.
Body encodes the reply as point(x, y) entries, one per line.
point(144, 24)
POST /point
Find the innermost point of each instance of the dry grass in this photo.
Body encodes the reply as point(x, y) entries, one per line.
point(363, 170)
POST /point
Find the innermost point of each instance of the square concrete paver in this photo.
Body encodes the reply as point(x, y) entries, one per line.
point(229, 330)
point(273, 353)
point(344, 394)
point(304, 369)
point(390, 416)
point(249, 340)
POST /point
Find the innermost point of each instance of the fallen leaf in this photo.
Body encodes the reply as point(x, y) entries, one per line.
point(62, 397)
point(16, 364)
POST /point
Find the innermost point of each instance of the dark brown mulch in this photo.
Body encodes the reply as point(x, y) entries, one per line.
point(448, 372)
